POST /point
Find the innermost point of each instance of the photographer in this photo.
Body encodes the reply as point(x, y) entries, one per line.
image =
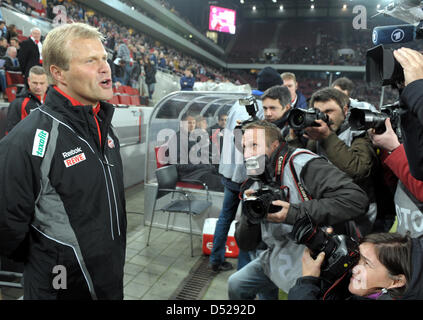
point(412, 97)
point(390, 267)
point(331, 198)
point(349, 150)
point(409, 191)
point(232, 168)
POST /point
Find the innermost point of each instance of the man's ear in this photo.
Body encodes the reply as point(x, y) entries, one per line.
point(274, 145)
point(57, 74)
point(345, 109)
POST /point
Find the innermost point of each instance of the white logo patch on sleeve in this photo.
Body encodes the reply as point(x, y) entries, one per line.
point(40, 143)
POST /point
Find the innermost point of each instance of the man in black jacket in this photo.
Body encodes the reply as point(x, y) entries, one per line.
point(62, 201)
point(28, 99)
point(29, 54)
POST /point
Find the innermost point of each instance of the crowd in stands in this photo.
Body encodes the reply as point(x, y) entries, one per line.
point(135, 57)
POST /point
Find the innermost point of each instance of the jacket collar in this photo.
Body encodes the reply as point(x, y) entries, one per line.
point(75, 112)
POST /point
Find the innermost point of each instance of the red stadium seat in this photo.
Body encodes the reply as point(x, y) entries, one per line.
point(119, 89)
point(114, 100)
point(124, 99)
point(14, 78)
point(135, 100)
point(11, 93)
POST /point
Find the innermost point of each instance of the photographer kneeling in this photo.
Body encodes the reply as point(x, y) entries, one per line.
point(292, 183)
point(390, 267)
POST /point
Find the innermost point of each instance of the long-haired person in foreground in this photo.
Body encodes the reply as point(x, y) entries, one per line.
point(390, 268)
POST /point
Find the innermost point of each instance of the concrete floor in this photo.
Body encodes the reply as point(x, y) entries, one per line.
point(156, 271)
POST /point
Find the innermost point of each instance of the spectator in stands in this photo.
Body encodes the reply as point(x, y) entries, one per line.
point(141, 79)
point(11, 32)
point(135, 74)
point(150, 76)
point(30, 52)
point(14, 42)
point(162, 61)
point(3, 46)
point(28, 99)
point(118, 71)
point(298, 99)
point(187, 81)
point(124, 54)
point(3, 29)
point(11, 62)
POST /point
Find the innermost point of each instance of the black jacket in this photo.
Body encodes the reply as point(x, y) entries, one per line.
point(28, 56)
point(312, 288)
point(412, 127)
point(21, 107)
point(62, 201)
point(9, 66)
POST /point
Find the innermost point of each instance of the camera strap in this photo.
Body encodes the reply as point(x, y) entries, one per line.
point(305, 196)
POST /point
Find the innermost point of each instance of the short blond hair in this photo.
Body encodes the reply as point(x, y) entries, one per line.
point(288, 76)
point(54, 46)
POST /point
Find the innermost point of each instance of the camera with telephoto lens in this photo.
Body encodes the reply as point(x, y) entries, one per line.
point(341, 251)
point(300, 119)
point(250, 104)
point(363, 119)
point(258, 205)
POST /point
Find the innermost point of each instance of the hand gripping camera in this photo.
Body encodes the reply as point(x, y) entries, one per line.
point(341, 251)
point(258, 205)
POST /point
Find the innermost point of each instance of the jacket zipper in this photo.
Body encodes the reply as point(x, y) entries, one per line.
point(104, 172)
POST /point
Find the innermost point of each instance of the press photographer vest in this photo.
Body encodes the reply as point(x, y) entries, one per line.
point(281, 262)
point(409, 212)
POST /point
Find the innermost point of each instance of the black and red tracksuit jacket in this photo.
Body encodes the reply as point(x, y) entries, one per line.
point(62, 202)
point(20, 108)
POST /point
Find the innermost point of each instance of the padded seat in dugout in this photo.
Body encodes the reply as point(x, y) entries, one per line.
point(167, 178)
point(160, 163)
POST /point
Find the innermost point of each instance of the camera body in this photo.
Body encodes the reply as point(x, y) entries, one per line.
point(341, 251)
point(300, 119)
point(257, 207)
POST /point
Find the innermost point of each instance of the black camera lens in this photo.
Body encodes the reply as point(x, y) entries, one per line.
point(361, 119)
point(299, 119)
point(341, 252)
point(258, 206)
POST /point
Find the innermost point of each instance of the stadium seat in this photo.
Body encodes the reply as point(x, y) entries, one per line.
point(161, 163)
point(124, 99)
point(114, 100)
point(11, 93)
point(135, 100)
point(14, 78)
